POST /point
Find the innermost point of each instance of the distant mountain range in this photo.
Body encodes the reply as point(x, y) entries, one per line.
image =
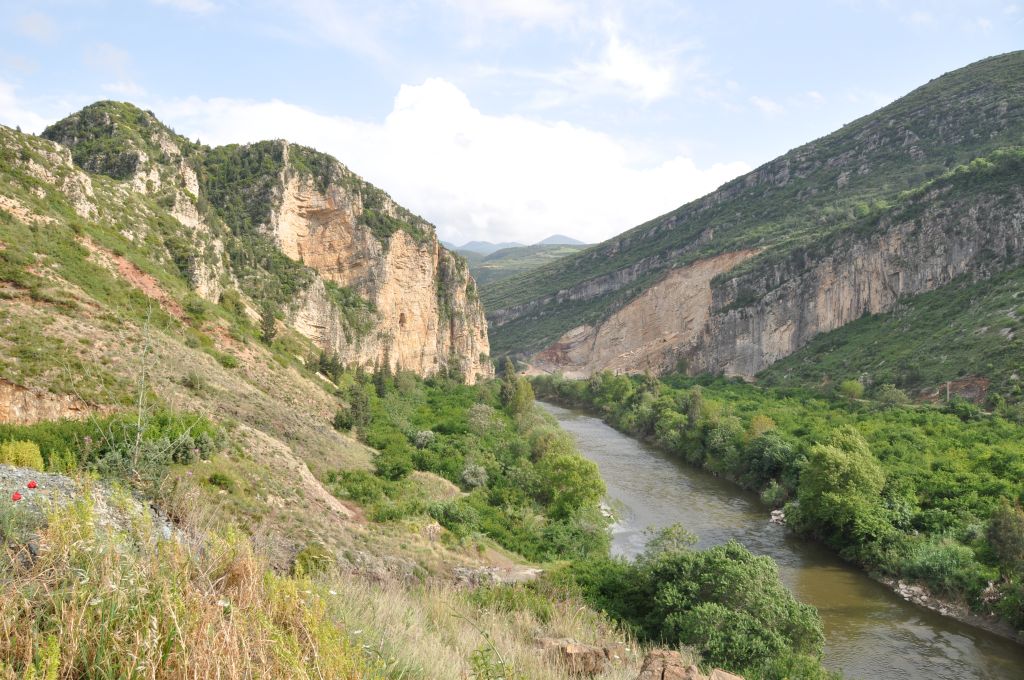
point(486, 247)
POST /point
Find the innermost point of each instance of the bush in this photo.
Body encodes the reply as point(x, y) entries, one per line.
point(21, 454)
point(851, 389)
point(343, 420)
point(313, 560)
point(474, 475)
point(510, 598)
point(393, 463)
point(221, 481)
point(947, 567)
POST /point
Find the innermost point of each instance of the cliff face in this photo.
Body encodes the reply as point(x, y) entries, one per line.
point(361, 276)
point(746, 322)
point(815, 192)
point(423, 312)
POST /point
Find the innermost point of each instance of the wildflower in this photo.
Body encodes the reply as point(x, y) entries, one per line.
point(31, 484)
point(15, 496)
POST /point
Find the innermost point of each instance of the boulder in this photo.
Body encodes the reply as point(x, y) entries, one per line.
point(663, 664)
point(719, 674)
point(576, 657)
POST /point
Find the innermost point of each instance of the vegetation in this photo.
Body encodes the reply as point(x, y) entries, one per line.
point(968, 330)
point(501, 264)
point(96, 602)
point(523, 483)
point(723, 602)
point(801, 200)
point(912, 492)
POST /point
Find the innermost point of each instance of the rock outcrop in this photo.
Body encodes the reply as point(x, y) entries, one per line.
point(741, 324)
point(663, 664)
point(23, 406)
point(423, 312)
point(365, 279)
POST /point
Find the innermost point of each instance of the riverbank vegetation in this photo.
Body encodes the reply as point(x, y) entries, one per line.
point(522, 483)
point(927, 493)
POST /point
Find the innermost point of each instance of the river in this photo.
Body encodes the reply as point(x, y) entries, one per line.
point(870, 632)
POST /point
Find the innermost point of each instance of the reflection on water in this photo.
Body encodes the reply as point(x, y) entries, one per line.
point(870, 632)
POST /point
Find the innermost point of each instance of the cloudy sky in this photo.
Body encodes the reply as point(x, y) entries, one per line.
point(500, 119)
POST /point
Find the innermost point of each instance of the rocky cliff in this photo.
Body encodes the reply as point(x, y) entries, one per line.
point(293, 231)
point(707, 319)
point(802, 245)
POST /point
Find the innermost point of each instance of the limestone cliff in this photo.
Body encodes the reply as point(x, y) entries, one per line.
point(423, 313)
point(291, 230)
point(741, 323)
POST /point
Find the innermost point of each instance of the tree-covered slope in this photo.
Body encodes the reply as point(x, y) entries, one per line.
point(822, 188)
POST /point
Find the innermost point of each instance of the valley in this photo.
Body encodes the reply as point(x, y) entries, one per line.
point(256, 420)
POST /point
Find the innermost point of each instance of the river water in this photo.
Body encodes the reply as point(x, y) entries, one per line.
point(870, 632)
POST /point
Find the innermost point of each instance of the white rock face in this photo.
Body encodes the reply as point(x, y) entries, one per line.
point(427, 313)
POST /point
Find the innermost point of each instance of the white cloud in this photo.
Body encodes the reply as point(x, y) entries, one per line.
point(984, 24)
point(124, 88)
point(815, 96)
point(14, 113)
point(106, 57)
point(529, 12)
point(767, 106)
point(624, 66)
point(193, 6)
point(921, 18)
point(37, 26)
point(474, 175)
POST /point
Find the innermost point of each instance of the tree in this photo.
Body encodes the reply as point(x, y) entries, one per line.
point(890, 395)
point(567, 483)
point(1006, 535)
point(840, 492)
point(359, 406)
point(268, 323)
point(851, 389)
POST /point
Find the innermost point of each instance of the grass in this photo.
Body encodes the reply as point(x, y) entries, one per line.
point(103, 604)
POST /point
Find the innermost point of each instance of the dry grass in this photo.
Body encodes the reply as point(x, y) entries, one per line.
point(99, 604)
point(433, 631)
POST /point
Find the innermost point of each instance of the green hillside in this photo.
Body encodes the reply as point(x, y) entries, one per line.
point(824, 187)
point(964, 329)
point(507, 262)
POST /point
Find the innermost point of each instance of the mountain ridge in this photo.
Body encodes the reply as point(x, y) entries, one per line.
point(828, 186)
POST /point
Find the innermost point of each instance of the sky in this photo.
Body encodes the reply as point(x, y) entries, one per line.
point(500, 120)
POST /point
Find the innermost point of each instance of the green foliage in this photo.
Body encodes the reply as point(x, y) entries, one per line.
point(514, 597)
point(507, 262)
point(268, 323)
point(724, 602)
point(904, 490)
point(21, 454)
point(122, 446)
point(315, 559)
point(851, 389)
point(967, 328)
point(529, 490)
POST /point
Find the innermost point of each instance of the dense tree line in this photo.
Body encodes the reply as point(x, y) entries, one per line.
point(926, 493)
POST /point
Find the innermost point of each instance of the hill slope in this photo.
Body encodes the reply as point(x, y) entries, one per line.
point(736, 276)
point(507, 262)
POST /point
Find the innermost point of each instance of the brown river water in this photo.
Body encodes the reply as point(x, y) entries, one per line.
point(870, 632)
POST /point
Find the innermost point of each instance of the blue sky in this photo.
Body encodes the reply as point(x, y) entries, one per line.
point(501, 119)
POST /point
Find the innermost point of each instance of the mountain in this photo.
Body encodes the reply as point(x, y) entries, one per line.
point(501, 264)
point(560, 240)
point(925, 191)
point(485, 247)
point(276, 228)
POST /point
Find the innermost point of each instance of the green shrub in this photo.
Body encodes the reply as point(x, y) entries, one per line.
point(948, 568)
point(21, 454)
point(851, 389)
point(222, 481)
point(510, 598)
point(313, 560)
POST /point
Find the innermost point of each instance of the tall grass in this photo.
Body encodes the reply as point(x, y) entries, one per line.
point(95, 602)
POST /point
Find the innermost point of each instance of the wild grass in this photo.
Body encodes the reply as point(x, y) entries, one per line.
point(99, 603)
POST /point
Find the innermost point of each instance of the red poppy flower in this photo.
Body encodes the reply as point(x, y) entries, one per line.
point(15, 496)
point(31, 484)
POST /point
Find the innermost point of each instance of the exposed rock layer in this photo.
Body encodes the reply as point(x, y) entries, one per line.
point(717, 328)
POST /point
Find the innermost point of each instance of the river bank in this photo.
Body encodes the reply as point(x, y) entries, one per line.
point(870, 630)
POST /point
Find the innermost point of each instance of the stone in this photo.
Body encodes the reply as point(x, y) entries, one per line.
point(664, 664)
point(719, 674)
point(576, 657)
point(615, 652)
